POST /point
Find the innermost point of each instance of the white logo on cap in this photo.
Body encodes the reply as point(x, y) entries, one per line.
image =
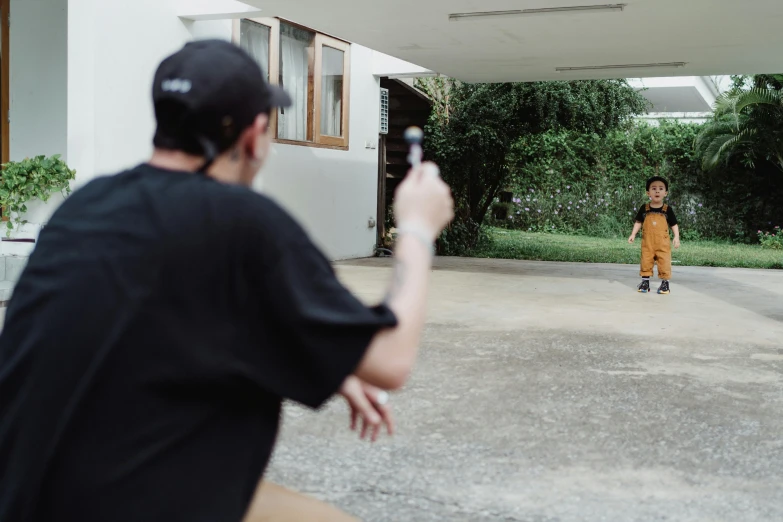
point(177, 85)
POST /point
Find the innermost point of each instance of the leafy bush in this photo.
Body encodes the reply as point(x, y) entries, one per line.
point(594, 185)
point(462, 237)
point(772, 240)
point(474, 127)
point(547, 136)
point(723, 204)
point(30, 179)
point(592, 209)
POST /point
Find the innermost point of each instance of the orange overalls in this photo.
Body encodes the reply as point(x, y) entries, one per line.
point(656, 244)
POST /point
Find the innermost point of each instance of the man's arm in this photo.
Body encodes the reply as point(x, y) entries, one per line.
point(392, 352)
point(313, 332)
point(423, 207)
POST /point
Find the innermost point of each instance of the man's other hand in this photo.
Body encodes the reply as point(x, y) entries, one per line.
point(363, 400)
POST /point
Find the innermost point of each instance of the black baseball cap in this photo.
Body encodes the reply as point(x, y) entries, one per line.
point(207, 94)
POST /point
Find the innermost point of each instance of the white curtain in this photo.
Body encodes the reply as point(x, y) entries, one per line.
point(254, 38)
point(332, 92)
point(294, 76)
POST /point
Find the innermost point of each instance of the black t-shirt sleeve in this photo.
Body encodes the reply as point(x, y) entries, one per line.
point(640, 215)
point(314, 332)
point(670, 217)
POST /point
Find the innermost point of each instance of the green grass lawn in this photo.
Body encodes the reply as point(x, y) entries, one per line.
point(512, 244)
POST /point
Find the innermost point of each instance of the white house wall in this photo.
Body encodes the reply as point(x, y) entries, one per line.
point(332, 192)
point(82, 85)
point(81, 89)
point(113, 51)
point(131, 38)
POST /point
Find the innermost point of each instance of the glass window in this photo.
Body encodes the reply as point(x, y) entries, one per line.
point(313, 68)
point(254, 38)
point(332, 78)
point(296, 77)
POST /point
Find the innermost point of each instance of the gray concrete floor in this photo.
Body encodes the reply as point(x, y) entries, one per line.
point(555, 392)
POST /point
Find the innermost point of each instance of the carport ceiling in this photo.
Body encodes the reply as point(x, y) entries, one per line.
point(710, 37)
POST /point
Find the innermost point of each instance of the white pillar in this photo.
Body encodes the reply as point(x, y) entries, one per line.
point(38, 69)
point(39, 86)
point(81, 89)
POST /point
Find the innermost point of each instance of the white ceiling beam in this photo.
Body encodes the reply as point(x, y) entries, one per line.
point(743, 37)
point(216, 10)
point(391, 67)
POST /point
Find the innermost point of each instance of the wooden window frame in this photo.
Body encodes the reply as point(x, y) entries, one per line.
point(322, 41)
point(316, 139)
point(5, 83)
point(274, 50)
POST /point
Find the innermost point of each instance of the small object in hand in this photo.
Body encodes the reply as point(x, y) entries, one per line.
point(383, 398)
point(414, 137)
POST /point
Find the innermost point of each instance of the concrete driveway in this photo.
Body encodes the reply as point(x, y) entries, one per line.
point(555, 392)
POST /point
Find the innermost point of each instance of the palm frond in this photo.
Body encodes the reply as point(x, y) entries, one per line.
point(714, 129)
point(723, 146)
point(757, 97)
point(725, 103)
point(735, 102)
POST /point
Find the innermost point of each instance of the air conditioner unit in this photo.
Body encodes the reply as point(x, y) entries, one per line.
point(384, 111)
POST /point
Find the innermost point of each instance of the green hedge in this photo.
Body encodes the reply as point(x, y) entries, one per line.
point(565, 181)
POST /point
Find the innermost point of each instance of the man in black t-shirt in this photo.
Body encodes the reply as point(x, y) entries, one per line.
point(168, 310)
point(655, 219)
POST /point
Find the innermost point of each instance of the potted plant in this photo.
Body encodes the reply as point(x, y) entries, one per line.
point(30, 179)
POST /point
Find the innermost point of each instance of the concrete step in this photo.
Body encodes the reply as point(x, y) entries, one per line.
point(11, 268)
point(15, 249)
point(6, 289)
point(14, 266)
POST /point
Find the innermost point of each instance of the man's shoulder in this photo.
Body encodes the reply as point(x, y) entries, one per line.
point(247, 203)
point(179, 193)
point(252, 214)
point(234, 200)
point(103, 188)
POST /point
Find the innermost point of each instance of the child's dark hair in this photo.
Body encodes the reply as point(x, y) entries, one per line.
point(657, 178)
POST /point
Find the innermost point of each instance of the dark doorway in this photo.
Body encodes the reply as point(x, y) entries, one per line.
point(407, 107)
